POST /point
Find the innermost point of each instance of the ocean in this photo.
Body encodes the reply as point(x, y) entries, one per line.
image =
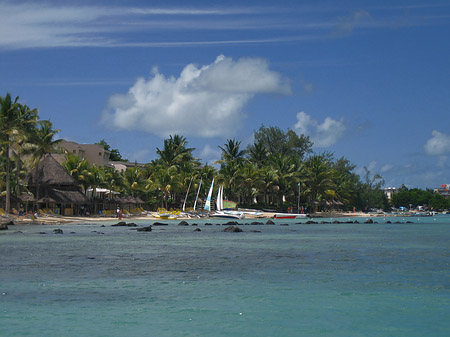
point(269, 280)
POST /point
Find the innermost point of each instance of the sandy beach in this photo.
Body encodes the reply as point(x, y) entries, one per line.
point(60, 220)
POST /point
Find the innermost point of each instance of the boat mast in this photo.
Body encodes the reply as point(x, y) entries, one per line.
point(198, 191)
point(184, 203)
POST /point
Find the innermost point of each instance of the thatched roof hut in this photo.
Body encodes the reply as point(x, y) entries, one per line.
point(51, 180)
point(49, 172)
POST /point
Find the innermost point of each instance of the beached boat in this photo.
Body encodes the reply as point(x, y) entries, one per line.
point(167, 215)
point(289, 216)
point(221, 213)
point(228, 215)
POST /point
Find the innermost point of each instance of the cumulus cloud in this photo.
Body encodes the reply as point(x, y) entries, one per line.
point(322, 134)
point(438, 144)
point(203, 101)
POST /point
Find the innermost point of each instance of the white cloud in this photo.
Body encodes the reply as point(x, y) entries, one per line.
point(203, 101)
point(209, 155)
point(347, 24)
point(438, 144)
point(386, 168)
point(324, 134)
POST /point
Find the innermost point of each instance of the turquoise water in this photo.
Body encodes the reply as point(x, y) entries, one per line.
point(296, 280)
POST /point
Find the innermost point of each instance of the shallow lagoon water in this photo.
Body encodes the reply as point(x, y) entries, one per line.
point(270, 280)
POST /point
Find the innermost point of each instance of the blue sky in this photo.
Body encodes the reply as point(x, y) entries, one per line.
point(368, 80)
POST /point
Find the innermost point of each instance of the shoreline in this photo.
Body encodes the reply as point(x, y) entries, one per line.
point(61, 220)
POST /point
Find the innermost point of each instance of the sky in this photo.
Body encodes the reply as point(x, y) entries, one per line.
point(366, 80)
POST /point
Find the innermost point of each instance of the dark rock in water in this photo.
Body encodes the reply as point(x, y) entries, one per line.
point(58, 231)
point(3, 227)
point(231, 223)
point(145, 229)
point(368, 221)
point(270, 222)
point(324, 222)
point(208, 224)
point(311, 222)
point(121, 223)
point(336, 222)
point(388, 221)
point(102, 226)
point(284, 224)
point(194, 224)
point(159, 224)
point(197, 230)
point(356, 221)
point(409, 222)
point(124, 224)
point(233, 229)
point(183, 223)
point(255, 231)
point(42, 233)
point(256, 223)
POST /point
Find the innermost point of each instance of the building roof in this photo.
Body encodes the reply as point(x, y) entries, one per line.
point(49, 172)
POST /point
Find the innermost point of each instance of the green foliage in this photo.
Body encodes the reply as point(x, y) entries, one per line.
point(278, 170)
point(417, 197)
point(114, 154)
point(275, 141)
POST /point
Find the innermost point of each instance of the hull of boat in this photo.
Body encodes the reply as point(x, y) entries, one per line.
point(289, 216)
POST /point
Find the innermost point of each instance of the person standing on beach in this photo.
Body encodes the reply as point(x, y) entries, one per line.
point(117, 211)
point(120, 214)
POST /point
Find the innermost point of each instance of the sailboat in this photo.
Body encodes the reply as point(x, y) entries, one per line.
point(208, 198)
point(220, 212)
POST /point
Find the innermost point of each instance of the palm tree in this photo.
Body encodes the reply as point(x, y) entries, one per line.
point(231, 153)
point(174, 151)
point(79, 169)
point(43, 140)
point(8, 124)
point(319, 178)
point(26, 123)
point(266, 182)
point(162, 179)
point(285, 168)
point(257, 154)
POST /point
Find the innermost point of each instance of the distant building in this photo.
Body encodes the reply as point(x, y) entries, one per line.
point(122, 165)
point(93, 153)
point(444, 190)
point(389, 192)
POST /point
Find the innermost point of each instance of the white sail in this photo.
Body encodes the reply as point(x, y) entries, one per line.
point(208, 198)
point(219, 201)
point(198, 191)
point(221, 198)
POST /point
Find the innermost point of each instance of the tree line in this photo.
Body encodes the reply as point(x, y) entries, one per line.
point(279, 171)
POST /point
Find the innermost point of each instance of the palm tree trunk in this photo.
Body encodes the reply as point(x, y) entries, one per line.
point(8, 174)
